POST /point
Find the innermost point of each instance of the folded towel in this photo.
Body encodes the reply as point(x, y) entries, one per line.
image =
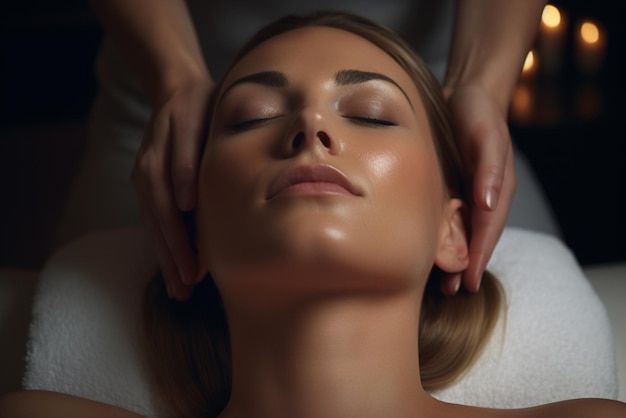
point(554, 342)
point(84, 337)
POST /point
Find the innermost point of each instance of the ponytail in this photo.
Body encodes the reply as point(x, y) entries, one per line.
point(188, 350)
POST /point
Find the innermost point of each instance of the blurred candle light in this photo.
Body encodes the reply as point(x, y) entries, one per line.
point(551, 39)
point(522, 104)
point(589, 32)
point(529, 69)
point(590, 46)
point(551, 17)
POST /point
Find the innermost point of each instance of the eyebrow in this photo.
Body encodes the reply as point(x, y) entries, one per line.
point(348, 77)
point(342, 78)
point(265, 78)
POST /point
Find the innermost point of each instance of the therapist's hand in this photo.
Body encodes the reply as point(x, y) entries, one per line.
point(482, 132)
point(165, 178)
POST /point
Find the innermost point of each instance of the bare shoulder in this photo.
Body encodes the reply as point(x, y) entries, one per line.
point(577, 408)
point(44, 404)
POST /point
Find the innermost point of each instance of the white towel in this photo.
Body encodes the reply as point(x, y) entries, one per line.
point(555, 342)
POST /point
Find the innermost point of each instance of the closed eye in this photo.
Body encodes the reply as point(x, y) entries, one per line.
point(366, 120)
point(249, 124)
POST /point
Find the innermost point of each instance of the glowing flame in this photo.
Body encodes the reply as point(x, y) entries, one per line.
point(589, 32)
point(529, 62)
point(551, 17)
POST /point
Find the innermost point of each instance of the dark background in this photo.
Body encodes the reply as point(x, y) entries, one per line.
point(576, 141)
point(574, 135)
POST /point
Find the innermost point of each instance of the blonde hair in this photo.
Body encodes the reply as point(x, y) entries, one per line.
point(187, 343)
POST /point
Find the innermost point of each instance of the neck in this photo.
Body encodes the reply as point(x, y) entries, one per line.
point(343, 357)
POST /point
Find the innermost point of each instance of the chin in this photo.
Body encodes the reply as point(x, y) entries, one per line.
point(337, 248)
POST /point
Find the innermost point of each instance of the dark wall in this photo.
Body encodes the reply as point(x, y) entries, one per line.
point(47, 84)
point(575, 138)
point(46, 60)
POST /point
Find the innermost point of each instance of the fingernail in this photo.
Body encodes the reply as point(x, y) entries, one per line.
point(183, 276)
point(491, 199)
point(457, 285)
point(183, 293)
point(199, 278)
point(479, 275)
point(176, 290)
point(189, 277)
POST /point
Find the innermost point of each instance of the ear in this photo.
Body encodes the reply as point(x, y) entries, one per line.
point(452, 253)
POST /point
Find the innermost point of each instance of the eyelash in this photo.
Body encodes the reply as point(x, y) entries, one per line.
point(247, 124)
point(365, 120)
point(371, 121)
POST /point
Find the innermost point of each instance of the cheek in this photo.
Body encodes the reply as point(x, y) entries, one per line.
point(227, 190)
point(407, 176)
point(407, 197)
point(231, 170)
point(223, 180)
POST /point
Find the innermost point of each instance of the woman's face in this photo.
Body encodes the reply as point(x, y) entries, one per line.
point(319, 160)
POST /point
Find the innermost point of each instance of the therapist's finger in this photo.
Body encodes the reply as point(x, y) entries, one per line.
point(153, 187)
point(493, 195)
point(188, 122)
point(451, 283)
point(176, 289)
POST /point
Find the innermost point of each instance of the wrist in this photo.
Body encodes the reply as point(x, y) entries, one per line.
point(494, 76)
point(489, 44)
point(171, 79)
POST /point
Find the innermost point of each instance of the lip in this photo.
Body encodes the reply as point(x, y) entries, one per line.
point(312, 179)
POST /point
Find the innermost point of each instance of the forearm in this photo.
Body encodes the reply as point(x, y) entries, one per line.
point(158, 40)
point(489, 44)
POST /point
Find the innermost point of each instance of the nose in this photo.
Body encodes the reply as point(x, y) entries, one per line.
point(311, 130)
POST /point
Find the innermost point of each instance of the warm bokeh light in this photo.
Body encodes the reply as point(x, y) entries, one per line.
point(589, 32)
point(552, 39)
point(522, 105)
point(529, 62)
point(551, 16)
point(590, 46)
point(522, 99)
